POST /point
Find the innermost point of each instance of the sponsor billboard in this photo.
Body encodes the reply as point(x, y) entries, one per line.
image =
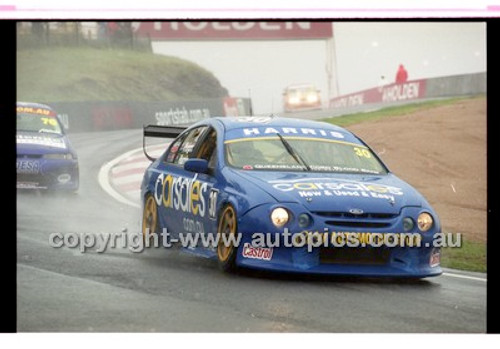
point(446, 86)
point(410, 90)
point(117, 115)
point(276, 30)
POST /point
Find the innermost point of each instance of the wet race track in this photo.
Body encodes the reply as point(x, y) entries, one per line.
point(167, 290)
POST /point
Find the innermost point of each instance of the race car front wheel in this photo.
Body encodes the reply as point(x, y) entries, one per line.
point(226, 249)
point(149, 218)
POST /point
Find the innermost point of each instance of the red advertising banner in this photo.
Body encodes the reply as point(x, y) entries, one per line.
point(111, 118)
point(233, 30)
point(415, 89)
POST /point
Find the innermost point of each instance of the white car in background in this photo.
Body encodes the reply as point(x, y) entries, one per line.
point(301, 97)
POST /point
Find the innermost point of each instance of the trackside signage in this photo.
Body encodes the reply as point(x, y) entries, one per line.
point(233, 30)
point(117, 115)
point(411, 90)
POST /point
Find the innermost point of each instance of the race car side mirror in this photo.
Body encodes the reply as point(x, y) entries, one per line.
point(196, 165)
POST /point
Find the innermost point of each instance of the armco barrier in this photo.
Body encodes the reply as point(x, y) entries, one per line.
point(101, 116)
point(457, 85)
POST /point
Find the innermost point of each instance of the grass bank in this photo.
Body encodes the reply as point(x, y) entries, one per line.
point(470, 256)
point(355, 118)
point(65, 74)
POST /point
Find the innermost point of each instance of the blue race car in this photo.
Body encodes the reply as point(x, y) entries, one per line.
point(45, 157)
point(286, 195)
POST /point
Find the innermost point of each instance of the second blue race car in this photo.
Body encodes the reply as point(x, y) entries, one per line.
point(45, 157)
point(296, 195)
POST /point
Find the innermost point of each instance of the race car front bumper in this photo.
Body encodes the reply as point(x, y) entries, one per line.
point(50, 174)
point(408, 259)
point(395, 262)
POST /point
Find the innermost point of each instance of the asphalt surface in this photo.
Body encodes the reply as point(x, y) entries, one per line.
point(166, 290)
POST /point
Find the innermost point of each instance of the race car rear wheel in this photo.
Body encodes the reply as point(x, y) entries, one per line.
point(149, 218)
point(226, 253)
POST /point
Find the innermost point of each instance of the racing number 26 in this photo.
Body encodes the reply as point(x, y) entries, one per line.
point(362, 152)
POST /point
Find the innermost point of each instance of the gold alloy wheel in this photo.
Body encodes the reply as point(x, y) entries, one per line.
point(149, 217)
point(227, 227)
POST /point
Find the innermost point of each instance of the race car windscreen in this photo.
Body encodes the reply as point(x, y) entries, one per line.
point(319, 155)
point(32, 122)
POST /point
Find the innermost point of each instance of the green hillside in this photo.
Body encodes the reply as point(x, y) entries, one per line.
point(63, 74)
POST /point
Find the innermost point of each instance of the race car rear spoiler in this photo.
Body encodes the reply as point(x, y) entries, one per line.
point(159, 132)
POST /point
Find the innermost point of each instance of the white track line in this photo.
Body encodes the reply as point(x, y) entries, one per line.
point(103, 179)
point(460, 276)
point(105, 171)
point(128, 179)
point(136, 178)
point(130, 166)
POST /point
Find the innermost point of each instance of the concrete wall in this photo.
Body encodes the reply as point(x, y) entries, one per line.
point(457, 85)
point(101, 116)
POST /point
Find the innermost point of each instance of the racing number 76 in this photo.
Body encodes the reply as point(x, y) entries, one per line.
point(49, 121)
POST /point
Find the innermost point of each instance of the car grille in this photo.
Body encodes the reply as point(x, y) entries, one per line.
point(29, 156)
point(355, 224)
point(354, 255)
point(33, 178)
point(350, 215)
point(364, 220)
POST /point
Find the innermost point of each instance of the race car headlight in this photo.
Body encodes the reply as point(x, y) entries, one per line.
point(312, 98)
point(279, 217)
point(424, 221)
point(408, 224)
point(65, 156)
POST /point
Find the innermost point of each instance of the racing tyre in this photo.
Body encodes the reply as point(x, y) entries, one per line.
point(77, 185)
point(149, 219)
point(226, 255)
point(74, 191)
